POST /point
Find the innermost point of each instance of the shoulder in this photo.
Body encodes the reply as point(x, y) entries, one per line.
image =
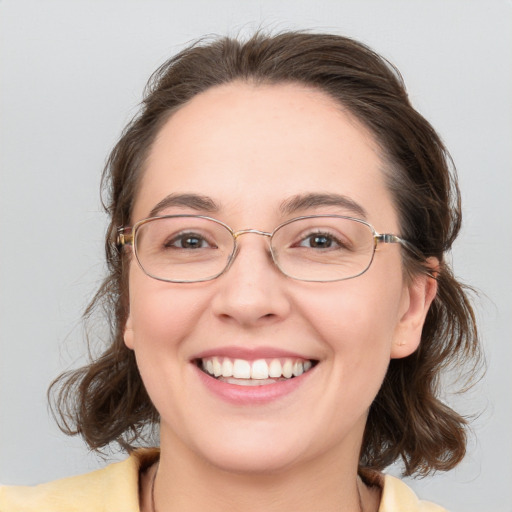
point(115, 487)
point(398, 496)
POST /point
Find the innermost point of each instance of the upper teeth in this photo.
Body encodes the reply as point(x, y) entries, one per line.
point(258, 369)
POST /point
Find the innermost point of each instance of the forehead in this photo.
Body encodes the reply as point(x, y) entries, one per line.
point(251, 147)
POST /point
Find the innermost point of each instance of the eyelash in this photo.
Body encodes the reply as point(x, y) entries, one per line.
point(331, 238)
point(180, 237)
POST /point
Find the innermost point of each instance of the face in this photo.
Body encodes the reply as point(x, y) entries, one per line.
point(250, 150)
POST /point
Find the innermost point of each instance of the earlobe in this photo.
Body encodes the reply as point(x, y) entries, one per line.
point(128, 333)
point(420, 293)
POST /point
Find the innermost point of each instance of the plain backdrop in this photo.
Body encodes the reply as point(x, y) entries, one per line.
point(72, 74)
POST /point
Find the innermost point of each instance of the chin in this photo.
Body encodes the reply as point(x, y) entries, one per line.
point(248, 462)
point(253, 452)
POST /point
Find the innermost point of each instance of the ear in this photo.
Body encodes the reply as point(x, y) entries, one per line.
point(418, 296)
point(128, 333)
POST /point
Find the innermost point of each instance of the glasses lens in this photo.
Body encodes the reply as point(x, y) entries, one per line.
point(323, 248)
point(183, 249)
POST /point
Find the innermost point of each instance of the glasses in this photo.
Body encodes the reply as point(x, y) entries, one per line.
point(195, 248)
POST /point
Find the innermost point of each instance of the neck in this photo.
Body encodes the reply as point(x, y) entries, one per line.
point(192, 484)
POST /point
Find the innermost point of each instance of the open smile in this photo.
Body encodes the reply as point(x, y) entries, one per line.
point(258, 372)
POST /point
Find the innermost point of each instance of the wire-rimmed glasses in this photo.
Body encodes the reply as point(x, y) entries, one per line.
point(195, 248)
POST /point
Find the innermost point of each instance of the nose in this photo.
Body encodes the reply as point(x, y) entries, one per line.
point(253, 291)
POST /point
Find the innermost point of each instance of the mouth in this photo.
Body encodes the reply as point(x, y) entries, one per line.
point(258, 372)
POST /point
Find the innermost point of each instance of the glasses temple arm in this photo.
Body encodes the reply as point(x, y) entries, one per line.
point(387, 238)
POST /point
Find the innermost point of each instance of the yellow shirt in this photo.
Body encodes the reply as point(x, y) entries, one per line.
point(116, 489)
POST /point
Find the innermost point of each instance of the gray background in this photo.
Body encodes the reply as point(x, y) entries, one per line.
point(72, 73)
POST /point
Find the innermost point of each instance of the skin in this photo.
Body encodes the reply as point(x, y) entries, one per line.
point(249, 148)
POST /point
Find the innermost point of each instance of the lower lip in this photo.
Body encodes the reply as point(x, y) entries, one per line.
point(251, 395)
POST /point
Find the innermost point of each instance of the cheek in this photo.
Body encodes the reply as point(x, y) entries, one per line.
point(161, 320)
point(160, 316)
point(355, 324)
point(356, 319)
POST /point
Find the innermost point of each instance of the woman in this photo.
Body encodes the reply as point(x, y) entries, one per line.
point(280, 303)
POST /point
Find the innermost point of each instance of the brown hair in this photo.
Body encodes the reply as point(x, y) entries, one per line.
point(106, 401)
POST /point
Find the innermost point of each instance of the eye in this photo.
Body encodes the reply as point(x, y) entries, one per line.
point(320, 241)
point(189, 241)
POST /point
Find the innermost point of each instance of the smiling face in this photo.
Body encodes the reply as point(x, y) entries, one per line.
point(255, 157)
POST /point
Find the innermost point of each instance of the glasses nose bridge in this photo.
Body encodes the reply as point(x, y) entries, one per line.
point(236, 234)
point(241, 232)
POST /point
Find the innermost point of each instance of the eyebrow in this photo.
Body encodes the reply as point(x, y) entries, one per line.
point(316, 200)
point(193, 201)
point(202, 203)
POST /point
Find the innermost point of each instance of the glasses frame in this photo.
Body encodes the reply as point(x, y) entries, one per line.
point(127, 235)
